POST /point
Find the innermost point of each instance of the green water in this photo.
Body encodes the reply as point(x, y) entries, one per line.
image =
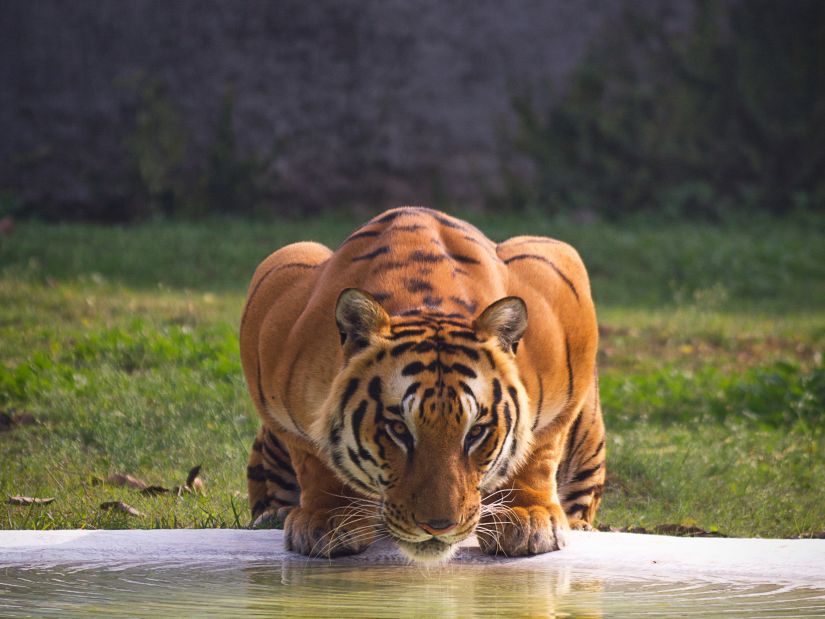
point(312, 589)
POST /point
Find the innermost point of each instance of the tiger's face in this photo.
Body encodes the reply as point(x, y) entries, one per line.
point(427, 415)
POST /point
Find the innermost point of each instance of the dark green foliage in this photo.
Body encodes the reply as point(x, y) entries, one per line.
point(727, 114)
point(172, 180)
point(157, 147)
point(232, 182)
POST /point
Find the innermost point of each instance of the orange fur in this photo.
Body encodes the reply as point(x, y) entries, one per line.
point(378, 428)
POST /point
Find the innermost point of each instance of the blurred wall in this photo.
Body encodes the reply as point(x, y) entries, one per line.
point(365, 102)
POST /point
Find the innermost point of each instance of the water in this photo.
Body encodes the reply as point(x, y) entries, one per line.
point(302, 588)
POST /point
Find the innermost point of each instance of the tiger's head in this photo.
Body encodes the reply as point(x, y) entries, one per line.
point(427, 415)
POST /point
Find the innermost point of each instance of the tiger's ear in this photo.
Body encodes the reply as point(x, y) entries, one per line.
point(359, 316)
point(505, 319)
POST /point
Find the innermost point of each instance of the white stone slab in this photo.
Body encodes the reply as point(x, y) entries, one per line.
point(624, 554)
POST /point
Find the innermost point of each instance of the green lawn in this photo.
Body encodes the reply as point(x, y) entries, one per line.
point(121, 343)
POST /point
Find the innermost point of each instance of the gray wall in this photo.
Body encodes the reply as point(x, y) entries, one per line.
point(371, 102)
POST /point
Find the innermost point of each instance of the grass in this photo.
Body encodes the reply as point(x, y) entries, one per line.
point(121, 343)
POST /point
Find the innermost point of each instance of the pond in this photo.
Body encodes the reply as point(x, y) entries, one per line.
point(221, 574)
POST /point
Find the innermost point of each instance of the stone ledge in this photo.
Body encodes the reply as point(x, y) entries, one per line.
point(620, 554)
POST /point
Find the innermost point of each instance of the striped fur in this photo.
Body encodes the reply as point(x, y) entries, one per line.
point(396, 383)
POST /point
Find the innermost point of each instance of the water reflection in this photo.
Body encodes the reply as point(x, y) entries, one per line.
point(412, 591)
point(304, 588)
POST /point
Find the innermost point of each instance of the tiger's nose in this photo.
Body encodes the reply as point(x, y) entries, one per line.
point(437, 526)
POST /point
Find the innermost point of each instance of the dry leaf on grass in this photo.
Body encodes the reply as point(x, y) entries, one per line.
point(28, 500)
point(153, 490)
point(120, 506)
point(193, 483)
point(11, 418)
point(123, 479)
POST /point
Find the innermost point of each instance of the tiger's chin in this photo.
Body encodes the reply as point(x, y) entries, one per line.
point(432, 551)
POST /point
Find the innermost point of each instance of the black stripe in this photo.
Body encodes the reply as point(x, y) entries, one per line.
point(389, 265)
point(576, 508)
point(369, 256)
point(463, 369)
point(586, 473)
point(596, 452)
point(569, 371)
point(257, 445)
point(261, 396)
point(374, 391)
point(417, 285)
point(426, 257)
point(580, 493)
point(453, 323)
point(411, 369)
point(464, 259)
point(466, 389)
point(286, 466)
point(400, 349)
point(514, 396)
point(540, 404)
point(464, 335)
point(256, 473)
point(425, 346)
point(407, 333)
point(579, 444)
point(410, 390)
point(392, 215)
point(508, 421)
point(548, 262)
point(361, 235)
point(351, 387)
point(472, 353)
point(261, 506)
point(490, 359)
point(473, 239)
point(430, 301)
point(381, 296)
point(357, 419)
point(574, 430)
point(470, 306)
point(448, 223)
point(407, 228)
point(354, 458)
point(280, 481)
point(374, 388)
point(359, 484)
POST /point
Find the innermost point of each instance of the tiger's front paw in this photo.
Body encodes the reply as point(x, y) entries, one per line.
point(328, 532)
point(524, 531)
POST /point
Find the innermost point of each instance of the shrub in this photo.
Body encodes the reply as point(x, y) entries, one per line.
point(726, 114)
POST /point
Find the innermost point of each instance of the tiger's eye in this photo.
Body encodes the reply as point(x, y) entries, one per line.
point(476, 431)
point(399, 427)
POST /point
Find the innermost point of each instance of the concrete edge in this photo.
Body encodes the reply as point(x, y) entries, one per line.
point(799, 562)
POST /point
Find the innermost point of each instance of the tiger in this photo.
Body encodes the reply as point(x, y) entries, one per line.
point(404, 393)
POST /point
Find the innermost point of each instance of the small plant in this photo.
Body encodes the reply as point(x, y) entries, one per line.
point(727, 114)
point(232, 182)
point(157, 146)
